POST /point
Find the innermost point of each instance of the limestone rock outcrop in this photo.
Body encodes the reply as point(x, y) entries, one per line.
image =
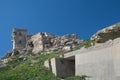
point(106, 34)
point(2, 64)
point(41, 42)
point(44, 42)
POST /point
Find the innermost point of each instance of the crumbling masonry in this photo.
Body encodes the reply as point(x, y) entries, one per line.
point(42, 42)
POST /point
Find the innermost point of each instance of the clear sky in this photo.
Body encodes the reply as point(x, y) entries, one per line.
point(83, 17)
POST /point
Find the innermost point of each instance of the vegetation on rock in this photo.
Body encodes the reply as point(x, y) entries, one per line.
point(31, 69)
point(86, 44)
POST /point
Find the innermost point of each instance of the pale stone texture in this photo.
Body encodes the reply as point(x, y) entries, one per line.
point(107, 33)
point(53, 66)
point(46, 64)
point(2, 63)
point(42, 42)
point(37, 43)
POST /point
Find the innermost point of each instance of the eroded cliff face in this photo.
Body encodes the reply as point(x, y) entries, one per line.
point(44, 42)
point(108, 33)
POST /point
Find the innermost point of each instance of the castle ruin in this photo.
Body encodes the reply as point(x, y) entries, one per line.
point(19, 38)
point(42, 42)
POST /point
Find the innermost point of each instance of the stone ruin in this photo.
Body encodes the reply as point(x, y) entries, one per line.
point(41, 42)
point(44, 42)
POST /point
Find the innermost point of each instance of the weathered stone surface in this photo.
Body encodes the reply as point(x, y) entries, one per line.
point(44, 42)
point(2, 64)
point(100, 62)
point(67, 48)
point(19, 38)
point(47, 64)
point(37, 41)
point(106, 34)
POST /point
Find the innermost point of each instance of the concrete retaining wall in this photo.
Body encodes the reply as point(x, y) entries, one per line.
point(65, 67)
point(98, 62)
point(61, 67)
point(102, 63)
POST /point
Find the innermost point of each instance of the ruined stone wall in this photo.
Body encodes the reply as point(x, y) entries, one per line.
point(42, 42)
point(19, 38)
point(100, 62)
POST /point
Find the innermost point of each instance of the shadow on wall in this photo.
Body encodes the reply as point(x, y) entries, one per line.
point(62, 67)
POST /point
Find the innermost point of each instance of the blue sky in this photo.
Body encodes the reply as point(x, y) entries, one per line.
point(83, 17)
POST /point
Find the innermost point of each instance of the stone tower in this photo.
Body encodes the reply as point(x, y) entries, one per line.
point(19, 38)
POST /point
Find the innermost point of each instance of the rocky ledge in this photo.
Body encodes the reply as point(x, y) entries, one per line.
point(108, 33)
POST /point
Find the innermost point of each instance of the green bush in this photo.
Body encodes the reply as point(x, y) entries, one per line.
point(22, 70)
point(86, 44)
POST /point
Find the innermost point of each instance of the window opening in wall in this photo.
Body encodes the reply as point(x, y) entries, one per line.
point(20, 42)
point(20, 34)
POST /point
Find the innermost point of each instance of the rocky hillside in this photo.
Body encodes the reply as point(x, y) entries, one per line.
point(28, 63)
point(31, 68)
point(45, 42)
point(108, 33)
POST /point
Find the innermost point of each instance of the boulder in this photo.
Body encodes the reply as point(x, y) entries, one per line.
point(67, 48)
point(23, 57)
point(2, 64)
